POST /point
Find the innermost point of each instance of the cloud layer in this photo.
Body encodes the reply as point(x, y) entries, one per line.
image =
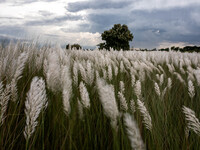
point(152, 22)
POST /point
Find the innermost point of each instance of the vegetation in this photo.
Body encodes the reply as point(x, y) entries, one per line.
point(190, 49)
point(53, 98)
point(117, 38)
point(76, 46)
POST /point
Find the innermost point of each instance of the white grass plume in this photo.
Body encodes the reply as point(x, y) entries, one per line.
point(171, 68)
point(190, 76)
point(84, 95)
point(132, 106)
point(75, 73)
point(146, 116)
point(97, 74)
point(169, 83)
point(21, 61)
point(133, 133)
point(137, 89)
point(192, 121)
point(110, 74)
point(36, 101)
point(161, 68)
point(182, 70)
point(83, 72)
point(4, 99)
point(53, 73)
point(157, 89)
point(122, 69)
point(123, 102)
point(197, 76)
point(105, 74)
point(13, 89)
point(179, 77)
point(161, 79)
point(66, 88)
point(107, 98)
point(90, 73)
point(157, 76)
point(45, 68)
point(1, 88)
point(191, 90)
point(80, 109)
point(163, 92)
point(116, 70)
point(121, 87)
point(142, 75)
point(132, 79)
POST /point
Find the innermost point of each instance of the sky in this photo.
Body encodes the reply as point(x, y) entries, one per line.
point(154, 23)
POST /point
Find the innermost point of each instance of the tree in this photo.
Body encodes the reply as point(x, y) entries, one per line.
point(77, 46)
point(118, 38)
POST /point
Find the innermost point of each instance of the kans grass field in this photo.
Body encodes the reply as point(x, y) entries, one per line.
point(53, 98)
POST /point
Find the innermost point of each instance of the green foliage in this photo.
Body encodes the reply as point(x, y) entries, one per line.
point(189, 49)
point(117, 38)
point(77, 46)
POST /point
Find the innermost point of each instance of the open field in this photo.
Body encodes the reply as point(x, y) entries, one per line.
point(52, 98)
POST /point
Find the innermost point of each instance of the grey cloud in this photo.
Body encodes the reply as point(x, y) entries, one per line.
point(19, 3)
point(101, 22)
point(45, 13)
point(55, 20)
point(83, 27)
point(10, 18)
point(96, 4)
point(53, 35)
point(15, 31)
point(174, 25)
point(191, 38)
point(2, 1)
point(152, 5)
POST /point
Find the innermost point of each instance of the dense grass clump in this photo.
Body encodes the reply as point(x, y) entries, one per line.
point(52, 98)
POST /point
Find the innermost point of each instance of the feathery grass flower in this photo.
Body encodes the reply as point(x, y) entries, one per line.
point(36, 101)
point(108, 101)
point(133, 133)
point(192, 121)
point(146, 116)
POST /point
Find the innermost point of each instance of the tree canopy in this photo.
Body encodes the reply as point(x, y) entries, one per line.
point(77, 46)
point(118, 38)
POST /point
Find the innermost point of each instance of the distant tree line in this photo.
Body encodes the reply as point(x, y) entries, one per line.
point(173, 48)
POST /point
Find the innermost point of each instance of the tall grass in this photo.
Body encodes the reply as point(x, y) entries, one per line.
point(98, 99)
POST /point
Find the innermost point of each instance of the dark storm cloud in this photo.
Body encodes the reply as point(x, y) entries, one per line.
point(174, 25)
point(102, 22)
point(53, 21)
point(99, 23)
point(150, 27)
point(96, 4)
